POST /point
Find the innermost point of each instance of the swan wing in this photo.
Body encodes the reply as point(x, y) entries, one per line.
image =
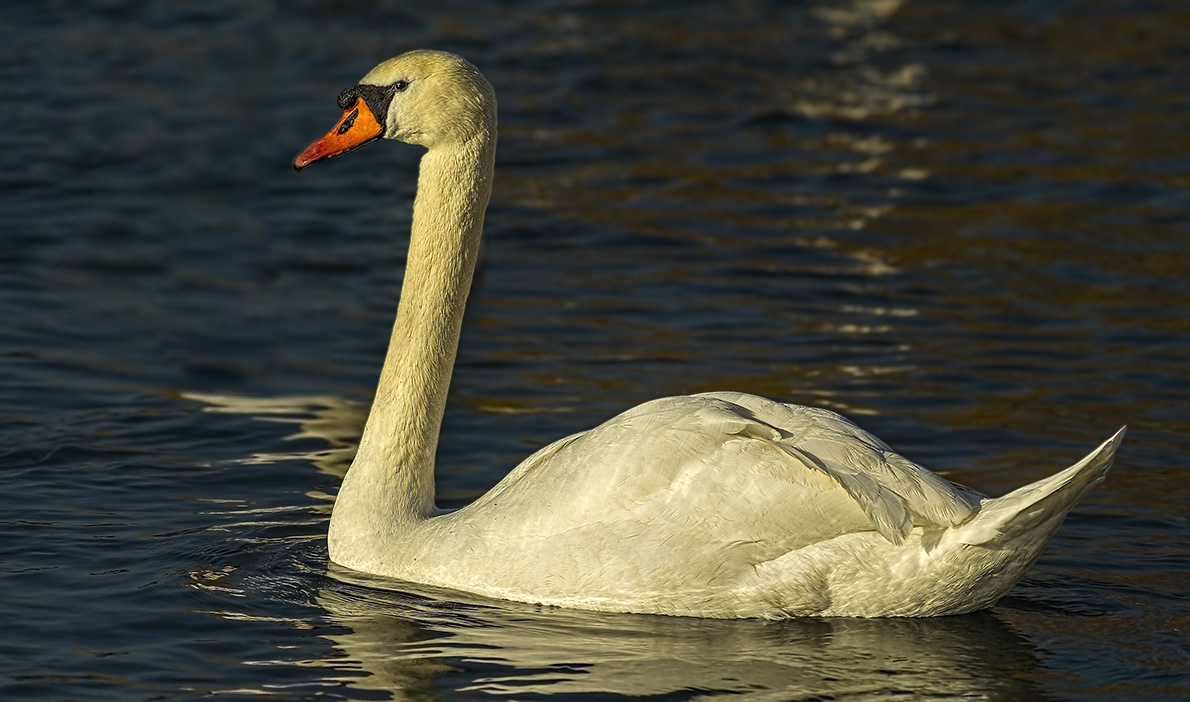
point(730, 468)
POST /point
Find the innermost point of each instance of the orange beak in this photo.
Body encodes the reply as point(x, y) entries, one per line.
point(357, 127)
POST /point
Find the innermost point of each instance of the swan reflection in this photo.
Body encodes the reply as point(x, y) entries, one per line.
point(417, 639)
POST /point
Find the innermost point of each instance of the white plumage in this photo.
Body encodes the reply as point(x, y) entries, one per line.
point(713, 505)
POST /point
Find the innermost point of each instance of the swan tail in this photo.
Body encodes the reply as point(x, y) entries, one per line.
point(1035, 511)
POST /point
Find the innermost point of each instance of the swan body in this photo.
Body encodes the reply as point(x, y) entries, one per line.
point(713, 505)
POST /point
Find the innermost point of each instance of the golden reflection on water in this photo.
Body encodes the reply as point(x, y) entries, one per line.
point(332, 421)
point(1052, 173)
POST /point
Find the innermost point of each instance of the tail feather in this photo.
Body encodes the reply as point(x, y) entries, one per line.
point(1030, 509)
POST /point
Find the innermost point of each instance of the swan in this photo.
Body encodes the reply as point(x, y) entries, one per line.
point(722, 504)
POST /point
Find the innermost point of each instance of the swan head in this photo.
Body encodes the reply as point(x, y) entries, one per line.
point(430, 98)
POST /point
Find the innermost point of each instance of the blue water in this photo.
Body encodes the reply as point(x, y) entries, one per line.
point(963, 224)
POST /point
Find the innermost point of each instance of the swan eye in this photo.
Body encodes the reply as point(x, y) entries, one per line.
point(400, 86)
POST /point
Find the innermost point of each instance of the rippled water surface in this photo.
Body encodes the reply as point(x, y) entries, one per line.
point(964, 224)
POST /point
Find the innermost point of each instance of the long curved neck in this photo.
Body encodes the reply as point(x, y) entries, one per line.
point(391, 481)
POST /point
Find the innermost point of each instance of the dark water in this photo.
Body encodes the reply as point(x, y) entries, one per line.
point(964, 224)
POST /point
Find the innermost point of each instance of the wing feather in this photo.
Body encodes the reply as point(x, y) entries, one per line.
point(723, 468)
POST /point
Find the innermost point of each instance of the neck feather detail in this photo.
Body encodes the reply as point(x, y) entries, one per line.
point(391, 480)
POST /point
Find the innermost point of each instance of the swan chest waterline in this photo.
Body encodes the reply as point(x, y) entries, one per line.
point(712, 505)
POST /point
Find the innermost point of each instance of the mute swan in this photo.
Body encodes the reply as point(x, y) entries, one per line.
point(714, 505)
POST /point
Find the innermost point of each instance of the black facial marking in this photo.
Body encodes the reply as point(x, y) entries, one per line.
point(376, 97)
point(349, 121)
point(348, 97)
